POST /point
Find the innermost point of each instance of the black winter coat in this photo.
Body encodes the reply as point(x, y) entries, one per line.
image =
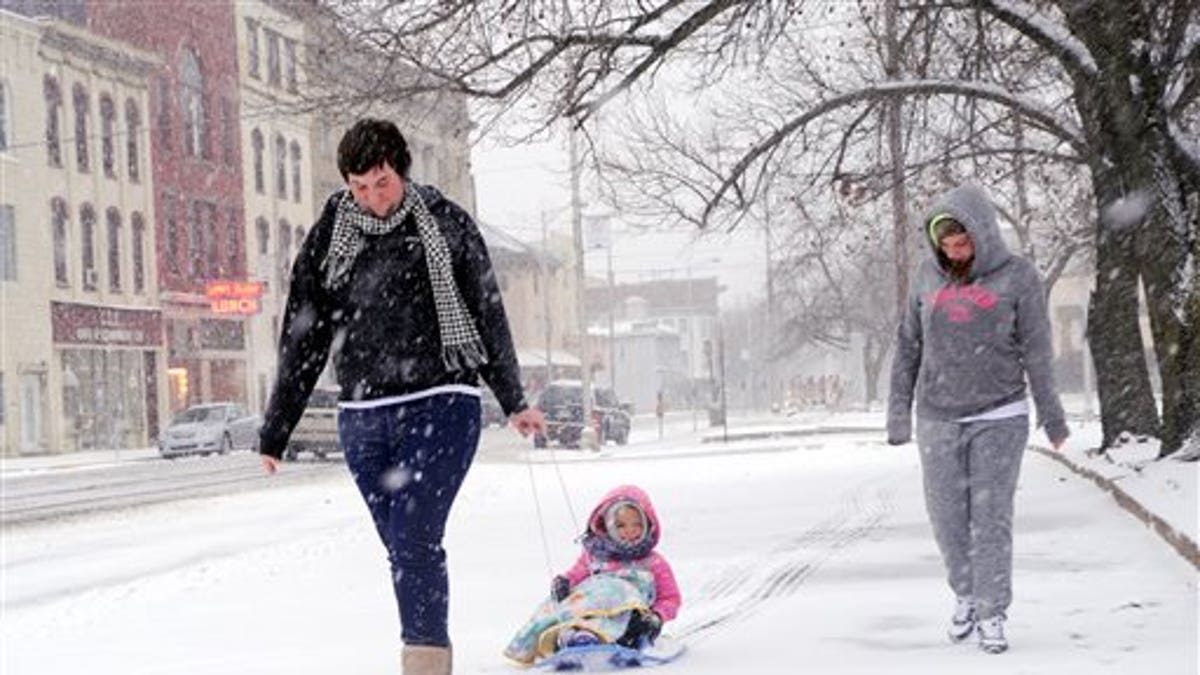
point(382, 323)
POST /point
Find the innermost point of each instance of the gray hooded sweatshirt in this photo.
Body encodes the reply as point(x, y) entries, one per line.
point(967, 347)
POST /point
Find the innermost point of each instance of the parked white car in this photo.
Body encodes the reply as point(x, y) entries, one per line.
point(316, 432)
point(208, 428)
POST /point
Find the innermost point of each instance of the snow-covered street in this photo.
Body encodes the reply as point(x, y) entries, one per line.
point(794, 555)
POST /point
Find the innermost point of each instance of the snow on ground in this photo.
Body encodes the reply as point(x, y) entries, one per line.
point(794, 554)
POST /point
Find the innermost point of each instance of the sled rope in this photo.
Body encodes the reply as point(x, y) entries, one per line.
point(537, 503)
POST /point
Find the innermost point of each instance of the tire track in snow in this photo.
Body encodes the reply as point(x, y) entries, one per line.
point(743, 588)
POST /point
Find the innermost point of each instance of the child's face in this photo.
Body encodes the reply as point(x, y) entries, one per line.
point(629, 524)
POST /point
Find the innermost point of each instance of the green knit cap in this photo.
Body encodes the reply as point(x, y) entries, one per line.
point(933, 223)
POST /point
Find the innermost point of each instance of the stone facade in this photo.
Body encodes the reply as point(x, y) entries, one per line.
point(277, 167)
point(83, 356)
point(194, 112)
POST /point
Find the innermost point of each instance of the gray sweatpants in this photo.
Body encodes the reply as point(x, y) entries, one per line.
point(970, 472)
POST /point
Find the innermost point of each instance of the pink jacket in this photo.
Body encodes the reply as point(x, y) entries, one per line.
point(667, 598)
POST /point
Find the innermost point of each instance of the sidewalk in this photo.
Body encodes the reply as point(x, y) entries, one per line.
point(11, 466)
point(1160, 493)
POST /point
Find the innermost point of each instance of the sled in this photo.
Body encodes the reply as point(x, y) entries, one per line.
point(602, 657)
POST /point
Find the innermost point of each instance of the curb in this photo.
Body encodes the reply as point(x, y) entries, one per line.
point(752, 435)
point(1179, 541)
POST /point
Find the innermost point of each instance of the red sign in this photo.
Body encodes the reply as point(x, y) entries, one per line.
point(234, 297)
point(91, 324)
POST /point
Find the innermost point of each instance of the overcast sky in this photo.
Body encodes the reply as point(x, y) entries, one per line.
point(517, 186)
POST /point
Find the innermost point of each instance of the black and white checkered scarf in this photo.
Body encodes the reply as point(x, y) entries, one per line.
point(461, 345)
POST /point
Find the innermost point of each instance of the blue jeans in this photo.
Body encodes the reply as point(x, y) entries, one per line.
point(409, 460)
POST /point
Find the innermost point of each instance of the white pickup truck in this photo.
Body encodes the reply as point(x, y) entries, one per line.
point(316, 432)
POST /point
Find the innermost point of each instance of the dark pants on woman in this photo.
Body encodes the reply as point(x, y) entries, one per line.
point(409, 460)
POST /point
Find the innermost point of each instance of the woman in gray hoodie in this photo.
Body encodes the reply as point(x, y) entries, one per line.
point(974, 329)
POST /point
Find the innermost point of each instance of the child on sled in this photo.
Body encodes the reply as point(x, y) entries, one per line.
point(620, 590)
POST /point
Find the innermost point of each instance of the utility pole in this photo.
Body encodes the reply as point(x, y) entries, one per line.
point(769, 343)
point(612, 335)
point(546, 307)
point(587, 435)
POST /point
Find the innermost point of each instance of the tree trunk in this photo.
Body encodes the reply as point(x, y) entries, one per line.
point(894, 109)
point(1122, 379)
point(1168, 263)
point(1119, 121)
point(874, 353)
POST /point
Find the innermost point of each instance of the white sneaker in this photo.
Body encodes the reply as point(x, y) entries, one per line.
point(991, 635)
point(962, 624)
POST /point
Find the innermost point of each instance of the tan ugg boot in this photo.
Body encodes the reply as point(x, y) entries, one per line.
point(425, 660)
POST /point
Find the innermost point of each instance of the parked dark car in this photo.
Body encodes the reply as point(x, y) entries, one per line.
point(562, 404)
point(316, 432)
point(210, 427)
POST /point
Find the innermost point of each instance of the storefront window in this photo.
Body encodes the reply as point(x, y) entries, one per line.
point(103, 398)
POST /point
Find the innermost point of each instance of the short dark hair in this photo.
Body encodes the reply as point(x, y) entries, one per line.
point(370, 143)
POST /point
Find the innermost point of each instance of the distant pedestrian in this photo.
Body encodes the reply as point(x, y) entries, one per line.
point(396, 280)
point(974, 329)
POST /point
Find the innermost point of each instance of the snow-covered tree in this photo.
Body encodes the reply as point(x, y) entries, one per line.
point(1116, 86)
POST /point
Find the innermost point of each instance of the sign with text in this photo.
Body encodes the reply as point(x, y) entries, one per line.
point(92, 324)
point(234, 297)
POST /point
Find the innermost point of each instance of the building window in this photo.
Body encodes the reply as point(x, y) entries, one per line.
point(196, 247)
point(295, 153)
point(263, 229)
point(53, 96)
point(273, 73)
point(285, 252)
point(108, 150)
point(228, 129)
point(280, 167)
point(58, 226)
point(172, 227)
point(87, 241)
point(113, 218)
point(4, 123)
point(191, 105)
point(256, 141)
point(289, 55)
point(233, 240)
point(252, 48)
point(212, 252)
point(137, 229)
point(164, 113)
point(133, 128)
point(8, 243)
point(80, 97)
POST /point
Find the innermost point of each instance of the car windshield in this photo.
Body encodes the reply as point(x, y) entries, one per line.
point(561, 395)
point(567, 395)
point(207, 414)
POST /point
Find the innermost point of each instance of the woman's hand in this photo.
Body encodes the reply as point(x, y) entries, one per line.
point(270, 464)
point(529, 420)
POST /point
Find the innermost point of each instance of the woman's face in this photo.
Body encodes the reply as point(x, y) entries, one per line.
point(959, 248)
point(378, 191)
point(628, 524)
